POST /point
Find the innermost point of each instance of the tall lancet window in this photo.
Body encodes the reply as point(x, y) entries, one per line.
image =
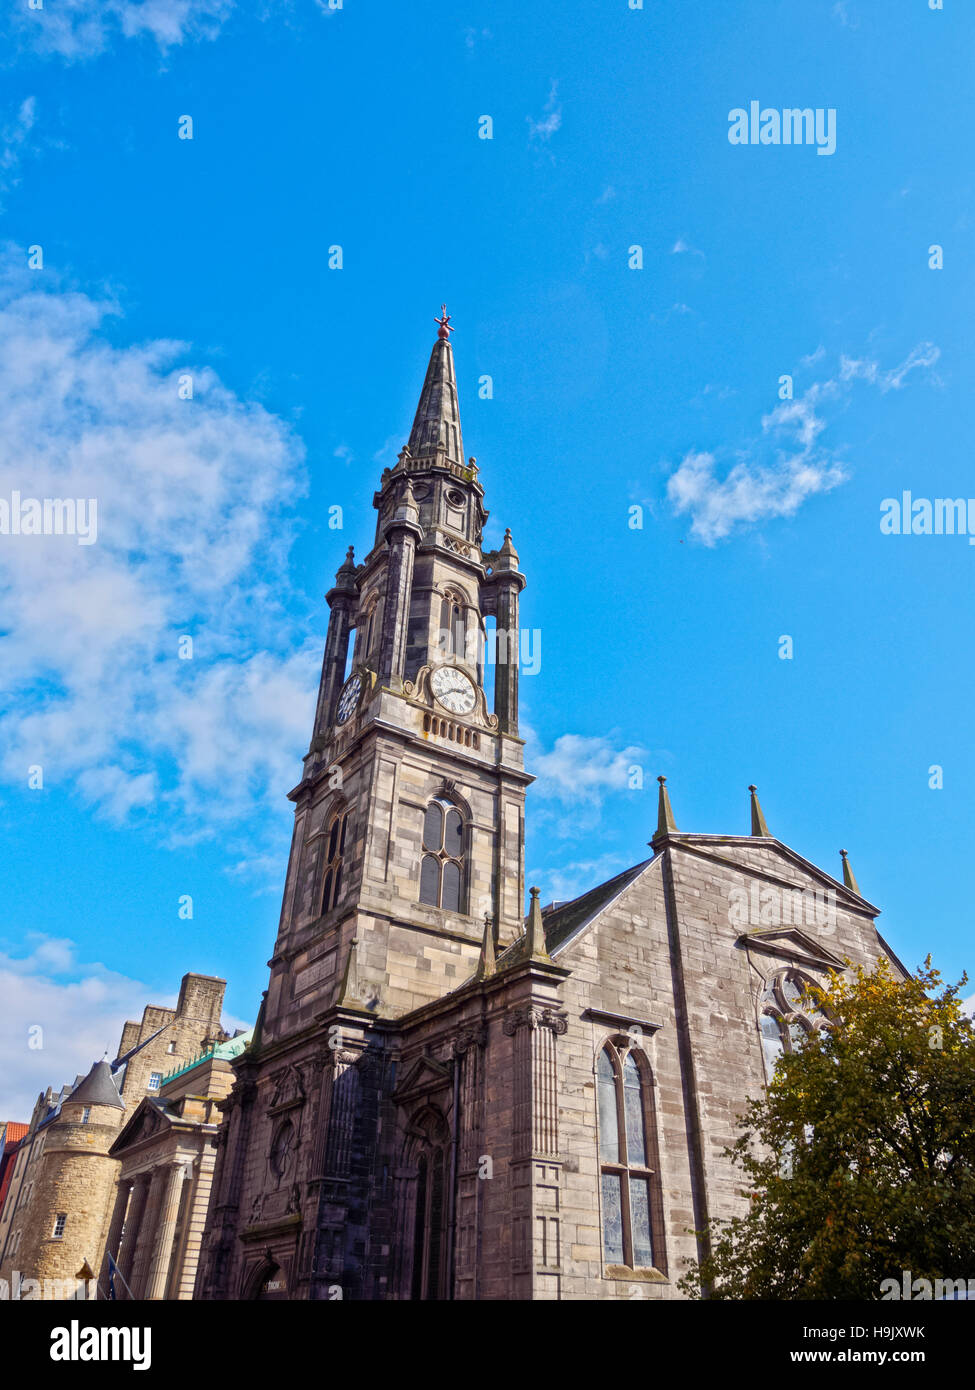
point(453, 625)
point(442, 866)
point(629, 1181)
point(429, 1278)
point(370, 627)
point(338, 834)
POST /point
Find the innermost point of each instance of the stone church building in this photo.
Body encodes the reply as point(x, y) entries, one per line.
point(446, 1098)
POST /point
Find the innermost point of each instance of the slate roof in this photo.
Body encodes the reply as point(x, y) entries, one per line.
point(564, 921)
point(98, 1088)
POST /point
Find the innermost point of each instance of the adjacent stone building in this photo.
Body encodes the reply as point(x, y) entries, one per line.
point(55, 1220)
point(166, 1153)
point(12, 1134)
point(445, 1098)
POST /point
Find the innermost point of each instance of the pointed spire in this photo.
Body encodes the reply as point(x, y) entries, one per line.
point(665, 816)
point(487, 962)
point(349, 988)
point(758, 820)
point(345, 574)
point(849, 878)
point(507, 555)
point(436, 427)
point(536, 930)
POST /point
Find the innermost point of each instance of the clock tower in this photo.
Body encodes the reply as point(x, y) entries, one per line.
point(409, 817)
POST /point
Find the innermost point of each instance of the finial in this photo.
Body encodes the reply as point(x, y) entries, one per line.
point(665, 816)
point(758, 820)
point(536, 930)
point(349, 988)
point(486, 964)
point(444, 322)
point(849, 878)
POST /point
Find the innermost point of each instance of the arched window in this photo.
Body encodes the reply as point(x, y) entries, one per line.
point(787, 1016)
point(453, 625)
point(338, 833)
point(429, 1274)
point(631, 1208)
point(371, 626)
point(442, 866)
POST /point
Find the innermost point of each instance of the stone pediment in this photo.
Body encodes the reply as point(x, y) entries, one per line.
point(791, 944)
point(423, 1078)
point(148, 1121)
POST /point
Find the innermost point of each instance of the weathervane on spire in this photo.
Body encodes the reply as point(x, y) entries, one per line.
point(444, 322)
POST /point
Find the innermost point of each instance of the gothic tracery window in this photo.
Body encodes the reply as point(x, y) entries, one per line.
point(787, 1016)
point(338, 832)
point(442, 865)
point(632, 1231)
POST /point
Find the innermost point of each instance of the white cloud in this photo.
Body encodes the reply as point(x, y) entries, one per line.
point(78, 29)
point(579, 768)
point(543, 130)
point(79, 1006)
point(194, 521)
point(746, 493)
point(719, 496)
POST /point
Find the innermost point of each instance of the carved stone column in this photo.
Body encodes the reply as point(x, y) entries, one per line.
point(130, 1237)
point(122, 1196)
point(147, 1234)
point(168, 1213)
point(535, 1168)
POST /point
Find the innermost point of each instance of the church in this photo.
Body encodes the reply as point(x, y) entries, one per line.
point(446, 1097)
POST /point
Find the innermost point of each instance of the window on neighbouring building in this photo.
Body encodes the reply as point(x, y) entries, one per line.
point(154, 1080)
point(628, 1177)
point(171, 1048)
point(60, 1221)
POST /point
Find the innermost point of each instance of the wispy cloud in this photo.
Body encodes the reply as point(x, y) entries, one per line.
point(684, 248)
point(75, 30)
point(14, 135)
point(541, 131)
point(572, 879)
point(787, 463)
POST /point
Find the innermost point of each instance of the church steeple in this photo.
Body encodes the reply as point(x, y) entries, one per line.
point(436, 435)
point(410, 813)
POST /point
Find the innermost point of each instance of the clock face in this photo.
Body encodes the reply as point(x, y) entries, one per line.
point(349, 697)
point(453, 689)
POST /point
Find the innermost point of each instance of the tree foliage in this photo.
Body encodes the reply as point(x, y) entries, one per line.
point(860, 1158)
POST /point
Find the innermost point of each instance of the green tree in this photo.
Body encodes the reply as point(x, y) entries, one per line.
point(859, 1161)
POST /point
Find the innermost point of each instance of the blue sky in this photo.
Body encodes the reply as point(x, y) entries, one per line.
point(614, 388)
